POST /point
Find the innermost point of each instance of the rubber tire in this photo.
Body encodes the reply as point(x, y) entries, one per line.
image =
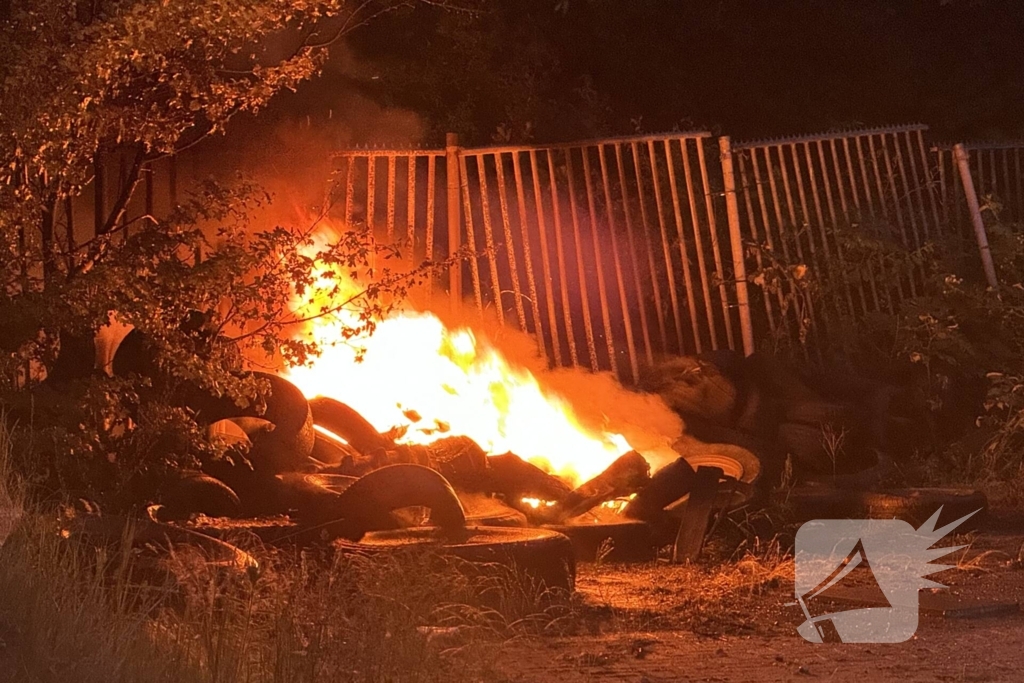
point(347, 423)
point(631, 540)
point(694, 387)
point(149, 531)
point(195, 492)
point(734, 460)
point(545, 556)
point(289, 446)
point(482, 510)
point(864, 480)
point(746, 467)
point(366, 505)
point(911, 505)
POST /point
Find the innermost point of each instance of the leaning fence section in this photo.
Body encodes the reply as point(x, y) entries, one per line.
point(996, 171)
point(821, 218)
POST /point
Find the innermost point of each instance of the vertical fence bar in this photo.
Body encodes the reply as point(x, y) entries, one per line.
point(745, 182)
point(1007, 199)
point(474, 257)
point(891, 176)
point(822, 228)
point(861, 162)
point(428, 246)
point(697, 243)
point(673, 295)
point(963, 163)
point(655, 286)
point(560, 254)
point(1020, 184)
point(940, 154)
point(845, 208)
point(392, 162)
point(911, 208)
point(634, 263)
point(684, 257)
point(410, 206)
point(994, 188)
point(492, 256)
point(371, 191)
point(981, 185)
point(885, 216)
point(524, 231)
point(350, 189)
point(777, 203)
point(834, 217)
point(602, 293)
point(716, 252)
point(506, 224)
point(545, 260)
point(736, 240)
point(929, 184)
point(805, 213)
point(580, 270)
point(455, 176)
point(762, 202)
point(621, 285)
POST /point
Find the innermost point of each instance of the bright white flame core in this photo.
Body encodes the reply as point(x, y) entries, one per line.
point(412, 362)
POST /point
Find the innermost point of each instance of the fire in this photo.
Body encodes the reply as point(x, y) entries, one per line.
point(417, 374)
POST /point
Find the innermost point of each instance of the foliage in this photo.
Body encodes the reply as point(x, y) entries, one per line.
point(204, 287)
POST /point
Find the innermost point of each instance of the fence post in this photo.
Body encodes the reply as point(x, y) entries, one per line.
point(736, 240)
point(971, 195)
point(454, 214)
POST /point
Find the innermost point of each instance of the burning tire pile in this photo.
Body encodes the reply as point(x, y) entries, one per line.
point(839, 435)
point(317, 473)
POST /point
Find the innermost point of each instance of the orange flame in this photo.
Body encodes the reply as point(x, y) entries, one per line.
point(417, 374)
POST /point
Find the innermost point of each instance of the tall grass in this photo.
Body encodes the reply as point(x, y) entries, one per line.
point(113, 612)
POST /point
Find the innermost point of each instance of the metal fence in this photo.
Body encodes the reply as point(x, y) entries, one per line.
point(996, 170)
point(614, 251)
point(832, 202)
point(609, 251)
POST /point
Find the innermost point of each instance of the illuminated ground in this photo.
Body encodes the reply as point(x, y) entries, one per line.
point(644, 624)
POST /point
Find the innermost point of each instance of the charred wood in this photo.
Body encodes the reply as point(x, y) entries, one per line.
point(666, 486)
point(515, 479)
point(629, 473)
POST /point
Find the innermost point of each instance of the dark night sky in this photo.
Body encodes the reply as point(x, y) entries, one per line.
point(748, 68)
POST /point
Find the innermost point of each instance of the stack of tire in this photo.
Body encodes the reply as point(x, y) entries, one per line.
point(769, 408)
point(279, 476)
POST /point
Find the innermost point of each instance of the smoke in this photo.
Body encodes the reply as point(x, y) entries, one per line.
point(287, 148)
point(288, 152)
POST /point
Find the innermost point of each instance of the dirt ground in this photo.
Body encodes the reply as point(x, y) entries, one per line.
point(646, 627)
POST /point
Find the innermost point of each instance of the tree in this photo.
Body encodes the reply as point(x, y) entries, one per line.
point(150, 78)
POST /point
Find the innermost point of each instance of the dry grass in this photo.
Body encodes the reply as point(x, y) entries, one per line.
point(73, 611)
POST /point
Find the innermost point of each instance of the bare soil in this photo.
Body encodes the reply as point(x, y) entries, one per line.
point(643, 623)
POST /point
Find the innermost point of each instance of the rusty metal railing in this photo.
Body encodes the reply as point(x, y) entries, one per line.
point(614, 251)
point(996, 171)
point(799, 197)
point(609, 251)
